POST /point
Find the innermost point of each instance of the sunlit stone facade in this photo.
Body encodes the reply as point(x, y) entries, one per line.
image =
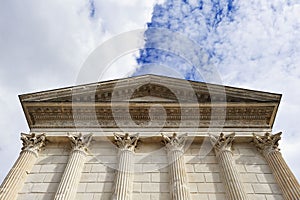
point(150, 137)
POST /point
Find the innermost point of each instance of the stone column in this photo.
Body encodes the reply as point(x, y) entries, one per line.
point(233, 185)
point(124, 177)
point(268, 146)
point(14, 181)
point(67, 188)
point(178, 177)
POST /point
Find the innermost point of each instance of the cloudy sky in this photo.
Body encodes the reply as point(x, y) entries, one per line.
point(252, 44)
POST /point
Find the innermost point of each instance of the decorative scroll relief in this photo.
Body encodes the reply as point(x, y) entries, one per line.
point(174, 142)
point(126, 142)
point(80, 142)
point(268, 143)
point(222, 143)
point(33, 142)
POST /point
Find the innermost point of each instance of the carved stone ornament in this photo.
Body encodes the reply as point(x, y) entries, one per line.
point(32, 142)
point(79, 141)
point(222, 143)
point(267, 143)
point(174, 142)
point(126, 142)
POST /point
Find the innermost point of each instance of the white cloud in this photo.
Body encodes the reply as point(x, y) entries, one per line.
point(262, 52)
point(43, 45)
point(256, 45)
point(120, 16)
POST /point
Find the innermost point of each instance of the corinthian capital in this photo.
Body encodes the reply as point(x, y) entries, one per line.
point(174, 142)
point(267, 143)
point(222, 143)
point(79, 141)
point(32, 142)
point(126, 142)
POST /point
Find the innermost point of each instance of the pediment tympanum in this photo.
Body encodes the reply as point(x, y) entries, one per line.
point(136, 99)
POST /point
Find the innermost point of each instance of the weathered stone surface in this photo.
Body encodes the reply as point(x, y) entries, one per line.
point(69, 183)
point(268, 146)
point(116, 167)
point(232, 181)
point(124, 177)
point(178, 178)
point(226, 106)
point(12, 184)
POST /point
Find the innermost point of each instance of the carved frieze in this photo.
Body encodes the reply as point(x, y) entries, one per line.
point(116, 100)
point(104, 116)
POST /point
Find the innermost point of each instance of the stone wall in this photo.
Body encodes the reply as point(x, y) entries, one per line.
point(42, 181)
point(151, 177)
point(255, 173)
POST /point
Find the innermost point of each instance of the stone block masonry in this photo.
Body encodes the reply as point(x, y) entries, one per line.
point(152, 175)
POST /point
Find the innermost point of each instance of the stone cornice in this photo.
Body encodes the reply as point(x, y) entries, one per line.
point(186, 103)
point(149, 85)
point(56, 115)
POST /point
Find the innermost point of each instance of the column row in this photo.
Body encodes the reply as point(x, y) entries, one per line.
point(267, 145)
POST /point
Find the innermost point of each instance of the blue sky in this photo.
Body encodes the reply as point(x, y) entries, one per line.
point(253, 44)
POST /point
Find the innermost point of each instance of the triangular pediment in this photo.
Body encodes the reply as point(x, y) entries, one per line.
point(144, 98)
point(151, 88)
point(151, 99)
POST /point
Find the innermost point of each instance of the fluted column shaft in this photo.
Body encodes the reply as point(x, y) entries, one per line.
point(284, 176)
point(124, 177)
point(14, 181)
point(178, 177)
point(268, 146)
point(233, 184)
point(68, 185)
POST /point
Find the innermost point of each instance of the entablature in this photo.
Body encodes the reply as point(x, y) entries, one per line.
point(150, 101)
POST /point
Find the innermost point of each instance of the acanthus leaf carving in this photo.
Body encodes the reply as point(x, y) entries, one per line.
point(174, 142)
point(222, 143)
point(126, 142)
point(267, 143)
point(80, 141)
point(33, 142)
